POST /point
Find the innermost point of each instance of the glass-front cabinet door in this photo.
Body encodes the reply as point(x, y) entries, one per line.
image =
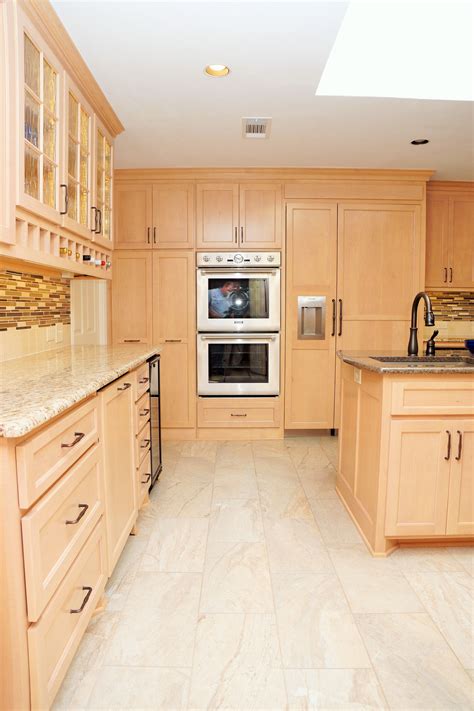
point(77, 181)
point(103, 186)
point(40, 111)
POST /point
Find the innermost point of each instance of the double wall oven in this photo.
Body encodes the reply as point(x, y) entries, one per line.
point(238, 320)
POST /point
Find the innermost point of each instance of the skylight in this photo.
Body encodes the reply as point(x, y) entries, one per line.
point(413, 49)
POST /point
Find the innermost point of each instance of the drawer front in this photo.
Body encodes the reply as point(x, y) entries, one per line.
point(142, 412)
point(142, 445)
point(55, 529)
point(44, 457)
point(53, 640)
point(144, 478)
point(433, 397)
point(233, 412)
point(142, 380)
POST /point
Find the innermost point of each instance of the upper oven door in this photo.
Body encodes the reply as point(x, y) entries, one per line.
point(231, 300)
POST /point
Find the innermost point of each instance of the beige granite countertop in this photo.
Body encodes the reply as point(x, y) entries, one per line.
point(367, 360)
point(36, 388)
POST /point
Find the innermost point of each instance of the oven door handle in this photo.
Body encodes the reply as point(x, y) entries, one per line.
point(236, 272)
point(237, 337)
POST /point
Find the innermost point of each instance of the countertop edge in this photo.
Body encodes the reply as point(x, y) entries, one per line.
point(364, 362)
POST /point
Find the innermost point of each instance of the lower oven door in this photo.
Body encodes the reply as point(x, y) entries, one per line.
point(247, 364)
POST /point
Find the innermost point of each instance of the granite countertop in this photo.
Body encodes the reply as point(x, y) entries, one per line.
point(36, 388)
point(367, 361)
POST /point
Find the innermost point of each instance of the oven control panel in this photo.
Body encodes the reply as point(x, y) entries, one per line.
point(238, 259)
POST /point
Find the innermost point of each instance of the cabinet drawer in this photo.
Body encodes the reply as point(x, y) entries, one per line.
point(433, 397)
point(238, 412)
point(142, 380)
point(142, 445)
point(142, 412)
point(53, 640)
point(144, 478)
point(44, 457)
point(55, 529)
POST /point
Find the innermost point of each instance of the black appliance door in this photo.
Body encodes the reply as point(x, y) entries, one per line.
point(155, 420)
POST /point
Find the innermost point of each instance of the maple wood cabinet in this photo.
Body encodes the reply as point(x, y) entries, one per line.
point(132, 297)
point(158, 215)
point(246, 215)
point(450, 236)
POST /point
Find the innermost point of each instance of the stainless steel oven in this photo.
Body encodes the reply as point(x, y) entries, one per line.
point(238, 364)
point(238, 292)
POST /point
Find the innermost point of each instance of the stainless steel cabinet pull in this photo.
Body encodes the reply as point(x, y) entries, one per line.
point(125, 386)
point(143, 380)
point(242, 234)
point(448, 453)
point(147, 479)
point(445, 274)
point(66, 199)
point(94, 218)
point(450, 275)
point(77, 438)
point(83, 508)
point(339, 333)
point(144, 412)
point(148, 235)
point(236, 414)
point(144, 443)
point(333, 332)
point(84, 602)
point(236, 238)
point(172, 340)
point(458, 457)
point(154, 235)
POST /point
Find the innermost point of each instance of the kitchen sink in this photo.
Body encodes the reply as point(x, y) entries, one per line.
point(421, 359)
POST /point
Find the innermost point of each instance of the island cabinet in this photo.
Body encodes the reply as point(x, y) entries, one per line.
point(406, 467)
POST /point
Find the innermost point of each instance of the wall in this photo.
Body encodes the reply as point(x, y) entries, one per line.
point(454, 314)
point(35, 312)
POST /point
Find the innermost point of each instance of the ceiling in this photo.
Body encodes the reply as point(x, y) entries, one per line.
point(149, 62)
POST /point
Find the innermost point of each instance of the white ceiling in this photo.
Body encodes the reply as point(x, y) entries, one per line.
point(149, 57)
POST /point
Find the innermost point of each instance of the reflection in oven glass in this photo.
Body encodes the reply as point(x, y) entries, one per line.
point(238, 363)
point(238, 298)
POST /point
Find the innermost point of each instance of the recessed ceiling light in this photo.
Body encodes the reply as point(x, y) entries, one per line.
point(419, 141)
point(217, 70)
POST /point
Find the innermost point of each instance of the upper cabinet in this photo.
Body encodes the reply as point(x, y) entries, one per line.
point(450, 236)
point(158, 215)
point(248, 216)
point(102, 180)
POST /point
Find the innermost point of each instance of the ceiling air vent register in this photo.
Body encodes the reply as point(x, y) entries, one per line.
point(256, 127)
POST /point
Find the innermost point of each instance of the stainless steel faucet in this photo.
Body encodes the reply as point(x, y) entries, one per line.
point(429, 321)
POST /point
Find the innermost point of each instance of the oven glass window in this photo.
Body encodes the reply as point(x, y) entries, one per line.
point(238, 362)
point(238, 298)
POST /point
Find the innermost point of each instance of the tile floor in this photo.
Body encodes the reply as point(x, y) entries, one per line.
point(248, 587)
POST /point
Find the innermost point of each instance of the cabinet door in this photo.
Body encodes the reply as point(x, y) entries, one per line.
point(260, 216)
point(103, 184)
point(418, 477)
point(462, 242)
point(173, 215)
point(133, 216)
point(174, 307)
point(437, 234)
point(217, 215)
point(461, 482)
point(132, 297)
point(311, 272)
point(119, 465)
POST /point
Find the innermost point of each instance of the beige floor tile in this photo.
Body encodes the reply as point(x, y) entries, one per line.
point(176, 545)
point(199, 449)
point(285, 500)
point(119, 584)
point(373, 584)
point(295, 546)
point(334, 522)
point(341, 689)
point(141, 688)
point(236, 579)
point(270, 448)
point(157, 627)
point(308, 456)
point(318, 483)
point(422, 560)
point(470, 672)
point(465, 556)
point(194, 468)
point(315, 625)
point(183, 498)
point(236, 520)
point(234, 454)
point(449, 600)
point(234, 483)
point(272, 472)
point(236, 664)
point(414, 664)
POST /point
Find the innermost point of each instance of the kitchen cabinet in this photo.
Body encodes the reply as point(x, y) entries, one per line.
point(132, 297)
point(158, 215)
point(120, 479)
point(460, 519)
point(247, 216)
point(174, 327)
point(450, 237)
point(103, 184)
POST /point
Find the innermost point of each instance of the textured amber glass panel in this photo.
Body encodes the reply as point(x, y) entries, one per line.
point(72, 199)
point(106, 223)
point(100, 150)
point(83, 207)
point(49, 87)
point(49, 183)
point(49, 136)
point(83, 170)
point(72, 157)
point(32, 113)
point(107, 190)
point(73, 110)
point(31, 172)
point(108, 161)
point(84, 131)
point(100, 185)
point(32, 66)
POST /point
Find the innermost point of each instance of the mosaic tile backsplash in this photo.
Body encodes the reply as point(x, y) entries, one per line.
point(453, 306)
point(28, 300)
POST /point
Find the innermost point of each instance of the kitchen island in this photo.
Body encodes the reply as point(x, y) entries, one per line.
point(406, 457)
